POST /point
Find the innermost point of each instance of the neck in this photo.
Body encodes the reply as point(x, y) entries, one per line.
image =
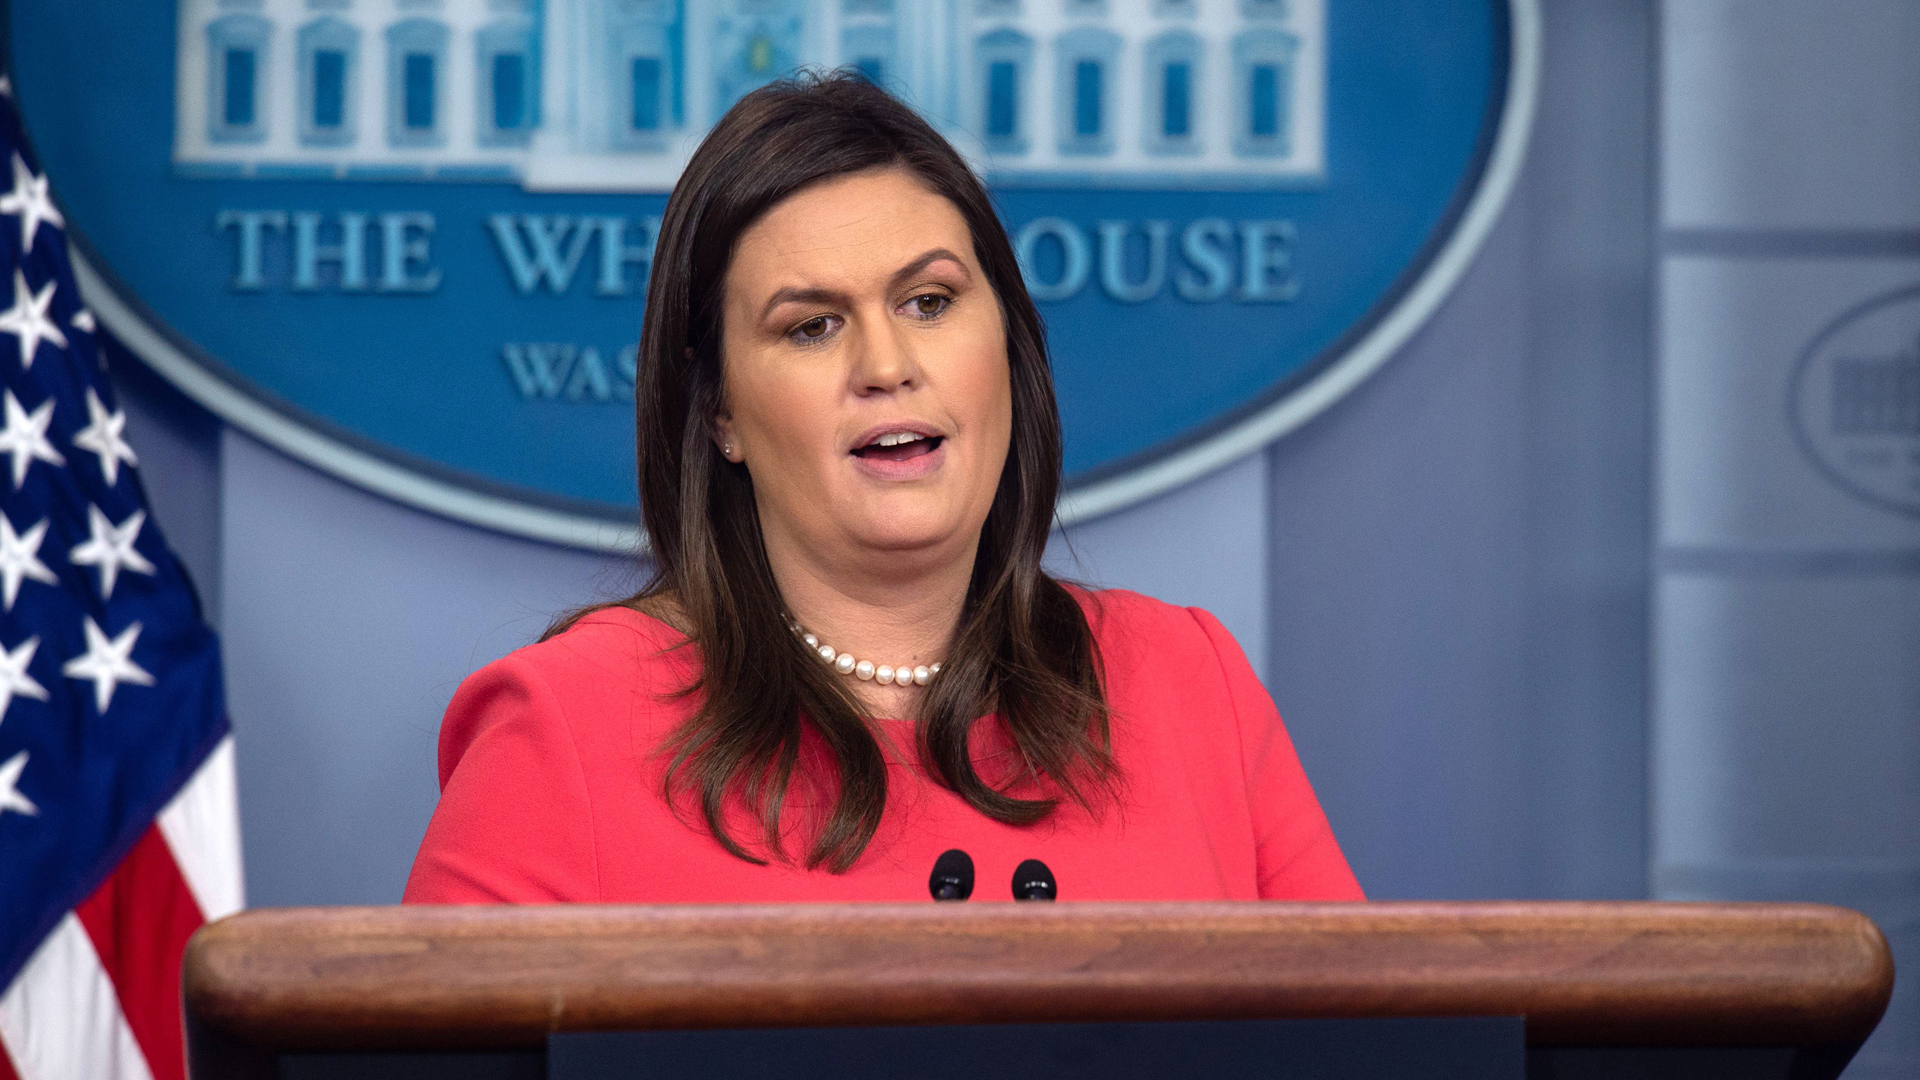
point(887, 607)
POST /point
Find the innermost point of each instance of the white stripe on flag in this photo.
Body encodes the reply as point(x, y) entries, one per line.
point(202, 827)
point(61, 1019)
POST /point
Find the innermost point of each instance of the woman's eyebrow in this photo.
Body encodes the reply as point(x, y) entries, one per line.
point(814, 295)
point(926, 259)
point(797, 294)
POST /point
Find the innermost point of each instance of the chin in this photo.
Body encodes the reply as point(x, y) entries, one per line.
point(897, 536)
point(905, 528)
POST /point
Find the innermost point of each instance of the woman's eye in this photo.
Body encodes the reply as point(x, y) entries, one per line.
point(928, 305)
point(813, 329)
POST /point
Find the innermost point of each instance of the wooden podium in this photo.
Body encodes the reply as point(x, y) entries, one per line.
point(1606, 989)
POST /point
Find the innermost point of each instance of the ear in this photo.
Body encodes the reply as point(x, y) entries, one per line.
point(723, 434)
point(725, 438)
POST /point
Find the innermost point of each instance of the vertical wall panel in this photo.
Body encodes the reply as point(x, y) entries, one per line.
point(1732, 472)
point(1788, 706)
point(1780, 114)
point(1786, 714)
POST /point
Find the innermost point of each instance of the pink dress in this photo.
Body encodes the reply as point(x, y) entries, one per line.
point(552, 785)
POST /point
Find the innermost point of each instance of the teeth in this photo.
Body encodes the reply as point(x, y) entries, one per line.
point(896, 438)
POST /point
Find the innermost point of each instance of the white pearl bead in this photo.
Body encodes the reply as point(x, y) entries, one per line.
point(933, 669)
point(812, 642)
point(863, 670)
point(826, 653)
point(843, 663)
point(884, 674)
point(922, 675)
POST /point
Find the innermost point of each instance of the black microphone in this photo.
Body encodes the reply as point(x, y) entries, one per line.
point(1033, 881)
point(952, 876)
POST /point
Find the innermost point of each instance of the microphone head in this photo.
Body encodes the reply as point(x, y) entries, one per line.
point(952, 876)
point(1033, 881)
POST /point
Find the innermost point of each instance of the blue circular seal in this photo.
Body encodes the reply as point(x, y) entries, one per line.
point(407, 240)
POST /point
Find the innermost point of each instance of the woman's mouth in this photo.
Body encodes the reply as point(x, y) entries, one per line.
point(899, 446)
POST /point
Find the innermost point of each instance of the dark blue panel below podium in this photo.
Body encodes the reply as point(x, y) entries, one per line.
point(1441, 1048)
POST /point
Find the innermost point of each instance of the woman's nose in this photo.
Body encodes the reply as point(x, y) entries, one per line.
point(882, 361)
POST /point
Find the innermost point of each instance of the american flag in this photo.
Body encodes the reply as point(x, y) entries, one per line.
point(119, 834)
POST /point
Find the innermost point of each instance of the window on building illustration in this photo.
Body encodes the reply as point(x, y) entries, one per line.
point(1086, 98)
point(327, 47)
point(1003, 100)
point(1003, 71)
point(509, 91)
point(1176, 83)
point(240, 89)
point(1263, 101)
point(416, 51)
point(1271, 9)
point(639, 96)
point(871, 68)
point(1171, 124)
point(1263, 63)
point(329, 88)
point(237, 79)
point(646, 93)
point(1087, 56)
point(419, 91)
point(507, 98)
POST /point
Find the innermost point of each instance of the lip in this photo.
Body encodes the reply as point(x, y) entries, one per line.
point(925, 431)
point(912, 468)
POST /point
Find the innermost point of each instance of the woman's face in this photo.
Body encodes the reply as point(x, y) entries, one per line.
point(865, 368)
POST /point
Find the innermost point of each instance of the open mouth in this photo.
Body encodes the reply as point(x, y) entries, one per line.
point(899, 446)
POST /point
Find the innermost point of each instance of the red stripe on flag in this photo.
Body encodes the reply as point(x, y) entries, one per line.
point(6, 1064)
point(139, 920)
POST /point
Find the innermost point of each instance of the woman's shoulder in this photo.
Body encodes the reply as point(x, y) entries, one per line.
point(607, 638)
point(1122, 619)
point(606, 653)
point(579, 684)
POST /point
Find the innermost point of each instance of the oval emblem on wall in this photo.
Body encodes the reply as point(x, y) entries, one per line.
point(407, 240)
point(1855, 401)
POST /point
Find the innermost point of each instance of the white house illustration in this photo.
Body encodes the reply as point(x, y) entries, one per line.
point(614, 94)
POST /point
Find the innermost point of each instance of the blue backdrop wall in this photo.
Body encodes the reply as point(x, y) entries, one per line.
point(1554, 604)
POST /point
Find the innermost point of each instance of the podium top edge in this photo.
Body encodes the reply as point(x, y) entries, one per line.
point(1582, 973)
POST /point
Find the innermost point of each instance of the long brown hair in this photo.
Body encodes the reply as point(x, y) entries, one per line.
point(1023, 648)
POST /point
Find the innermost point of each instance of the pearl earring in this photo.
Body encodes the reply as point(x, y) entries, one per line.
point(727, 450)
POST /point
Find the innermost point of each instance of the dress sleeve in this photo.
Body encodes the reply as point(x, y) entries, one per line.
point(1296, 855)
point(514, 823)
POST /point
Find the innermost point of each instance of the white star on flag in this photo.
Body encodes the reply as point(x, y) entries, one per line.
point(31, 200)
point(25, 437)
point(102, 436)
point(14, 678)
point(111, 548)
point(107, 662)
point(20, 559)
point(27, 318)
point(83, 320)
point(10, 797)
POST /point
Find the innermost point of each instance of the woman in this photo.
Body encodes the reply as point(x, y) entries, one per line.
point(849, 660)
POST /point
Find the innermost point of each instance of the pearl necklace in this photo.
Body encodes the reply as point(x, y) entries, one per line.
point(866, 670)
